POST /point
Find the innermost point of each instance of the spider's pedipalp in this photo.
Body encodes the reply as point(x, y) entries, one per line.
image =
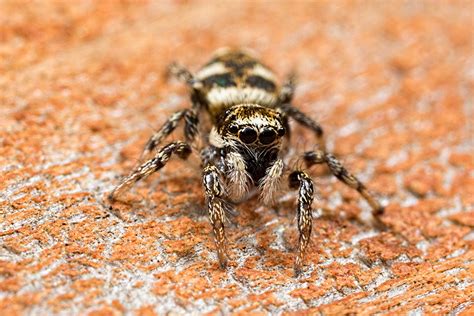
point(237, 176)
point(270, 184)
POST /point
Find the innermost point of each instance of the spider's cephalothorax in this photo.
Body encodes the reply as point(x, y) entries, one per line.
point(245, 147)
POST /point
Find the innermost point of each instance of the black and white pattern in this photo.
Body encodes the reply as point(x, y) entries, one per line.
point(245, 148)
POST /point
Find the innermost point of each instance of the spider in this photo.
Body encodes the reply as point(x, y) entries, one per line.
point(246, 145)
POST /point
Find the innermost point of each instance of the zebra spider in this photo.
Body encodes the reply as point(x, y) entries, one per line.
point(246, 144)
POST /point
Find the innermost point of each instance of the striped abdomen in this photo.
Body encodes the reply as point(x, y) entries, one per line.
point(233, 77)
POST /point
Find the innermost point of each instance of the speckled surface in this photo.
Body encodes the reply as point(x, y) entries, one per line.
point(82, 88)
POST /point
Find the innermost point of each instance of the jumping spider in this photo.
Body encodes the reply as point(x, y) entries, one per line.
point(246, 144)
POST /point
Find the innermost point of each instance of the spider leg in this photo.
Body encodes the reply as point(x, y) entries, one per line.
point(214, 191)
point(182, 149)
point(191, 121)
point(191, 116)
point(288, 88)
point(166, 129)
point(287, 92)
point(301, 181)
point(191, 125)
point(340, 172)
point(182, 74)
point(306, 121)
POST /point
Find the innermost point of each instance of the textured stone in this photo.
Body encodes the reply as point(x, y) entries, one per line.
point(82, 87)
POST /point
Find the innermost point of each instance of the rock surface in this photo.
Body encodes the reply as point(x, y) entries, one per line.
point(82, 89)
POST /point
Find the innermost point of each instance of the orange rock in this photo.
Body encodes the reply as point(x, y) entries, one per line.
point(83, 88)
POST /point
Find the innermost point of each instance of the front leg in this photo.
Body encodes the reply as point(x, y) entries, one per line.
point(340, 172)
point(301, 181)
point(214, 191)
point(182, 149)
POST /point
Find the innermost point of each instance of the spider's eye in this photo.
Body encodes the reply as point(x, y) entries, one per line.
point(267, 136)
point(233, 129)
point(248, 135)
point(281, 131)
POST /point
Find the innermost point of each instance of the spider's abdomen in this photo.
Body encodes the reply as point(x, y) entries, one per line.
point(234, 77)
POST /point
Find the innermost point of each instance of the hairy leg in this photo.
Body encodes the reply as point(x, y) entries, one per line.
point(181, 73)
point(340, 172)
point(301, 181)
point(307, 122)
point(191, 123)
point(166, 129)
point(287, 90)
point(182, 149)
point(191, 116)
point(214, 191)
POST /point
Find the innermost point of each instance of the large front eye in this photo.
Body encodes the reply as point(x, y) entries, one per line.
point(248, 135)
point(267, 136)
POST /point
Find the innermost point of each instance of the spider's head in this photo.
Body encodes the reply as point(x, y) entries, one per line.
point(252, 126)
